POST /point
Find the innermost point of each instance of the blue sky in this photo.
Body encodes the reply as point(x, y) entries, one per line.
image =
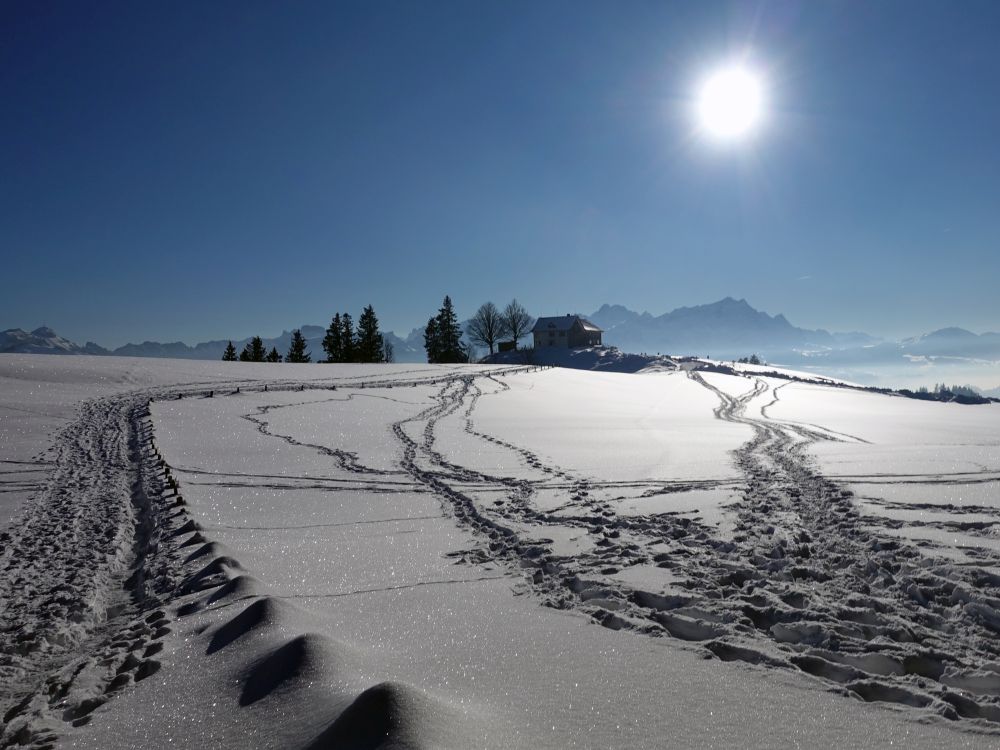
point(208, 170)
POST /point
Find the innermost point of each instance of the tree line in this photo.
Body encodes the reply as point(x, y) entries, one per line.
point(488, 327)
point(254, 351)
point(345, 342)
point(342, 343)
point(944, 392)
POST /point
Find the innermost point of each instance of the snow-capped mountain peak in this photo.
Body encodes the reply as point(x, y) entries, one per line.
point(42, 340)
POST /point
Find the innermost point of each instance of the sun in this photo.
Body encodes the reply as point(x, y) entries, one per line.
point(730, 103)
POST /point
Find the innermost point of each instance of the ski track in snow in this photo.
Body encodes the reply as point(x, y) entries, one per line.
point(106, 554)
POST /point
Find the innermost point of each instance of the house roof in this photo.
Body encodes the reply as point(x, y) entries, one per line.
point(562, 323)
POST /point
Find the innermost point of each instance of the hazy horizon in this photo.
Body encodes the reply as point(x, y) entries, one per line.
point(272, 331)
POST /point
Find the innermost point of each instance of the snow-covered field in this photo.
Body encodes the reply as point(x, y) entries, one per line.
point(491, 556)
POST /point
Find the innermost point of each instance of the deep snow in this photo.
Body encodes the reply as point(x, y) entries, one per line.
point(433, 560)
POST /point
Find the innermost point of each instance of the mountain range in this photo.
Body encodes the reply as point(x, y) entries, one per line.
point(46, 341)
point(726, 329)
point(43, 340)
point(731, 328)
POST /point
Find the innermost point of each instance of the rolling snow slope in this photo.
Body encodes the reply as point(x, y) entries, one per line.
point(297, 567)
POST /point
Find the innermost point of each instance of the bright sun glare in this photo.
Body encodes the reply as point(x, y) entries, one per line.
point(730, 103)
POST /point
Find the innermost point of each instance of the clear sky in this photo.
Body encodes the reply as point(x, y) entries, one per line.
point(210, 170)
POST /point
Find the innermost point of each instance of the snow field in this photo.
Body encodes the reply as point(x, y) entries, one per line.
point(320, 563)
point(926, 471)
point(457, 633)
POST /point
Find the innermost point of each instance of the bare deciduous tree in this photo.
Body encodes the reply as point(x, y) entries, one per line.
point(485, 328)
point(515, 321)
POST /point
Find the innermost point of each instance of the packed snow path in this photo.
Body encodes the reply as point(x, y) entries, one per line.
point(80, 586)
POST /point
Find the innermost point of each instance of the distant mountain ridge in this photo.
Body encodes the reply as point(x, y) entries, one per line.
point(725, 329)
point(46, 341)
point(43, 340)
point(954, 342)
point(729, 327)
point(732, 328)
point(213, 349)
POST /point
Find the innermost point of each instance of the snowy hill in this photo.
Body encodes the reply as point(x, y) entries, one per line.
point(600, 358)
point(492, 557)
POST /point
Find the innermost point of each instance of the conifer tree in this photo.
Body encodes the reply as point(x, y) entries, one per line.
point(332, 342)
point(369, 340)
point(347, 344)
point(431, 342)
point(230, 354)
point(449, 335)
point(253, 351)
point(297, 352)
point(273, 356)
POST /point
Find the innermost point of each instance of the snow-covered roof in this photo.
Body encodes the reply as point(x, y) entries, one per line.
point(562, 323)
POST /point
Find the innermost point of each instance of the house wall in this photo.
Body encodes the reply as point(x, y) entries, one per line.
point(580, 337)
point(576, 337)
point(543, 340)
